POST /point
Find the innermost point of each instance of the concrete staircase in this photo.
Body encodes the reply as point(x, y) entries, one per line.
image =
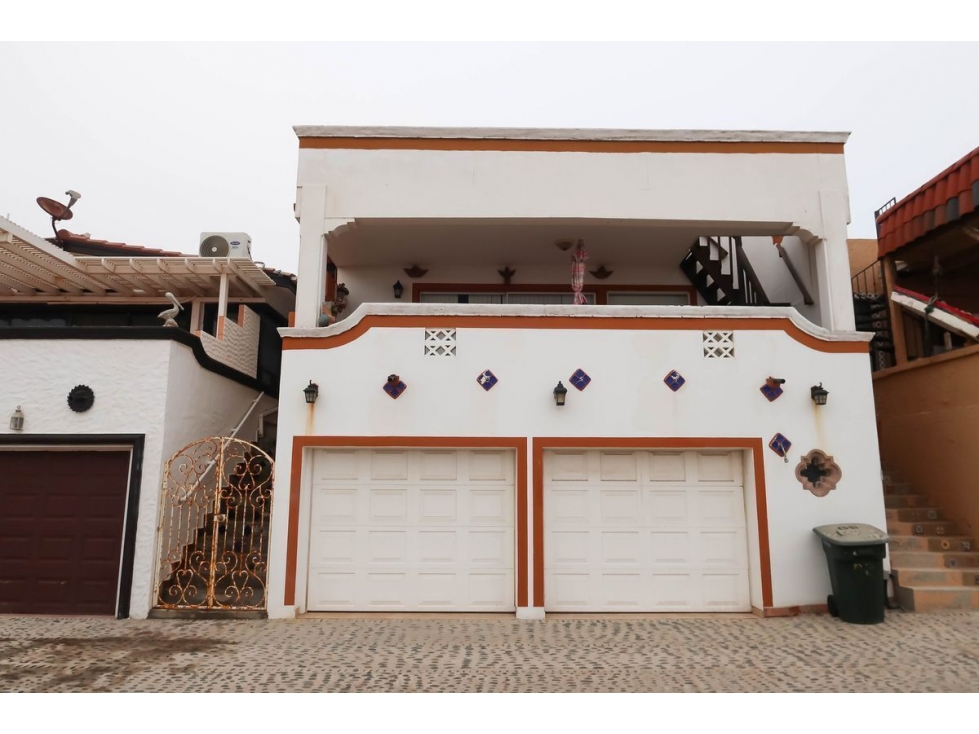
point(935, 565)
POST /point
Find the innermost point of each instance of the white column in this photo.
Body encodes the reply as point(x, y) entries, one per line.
point(833, 264)
point(311, 274)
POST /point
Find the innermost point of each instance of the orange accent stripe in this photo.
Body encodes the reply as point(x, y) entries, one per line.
point(574, 322)
point(220, 328)
point(519, 445)
point(761, 504)
point(601, 291)
point(568, 146)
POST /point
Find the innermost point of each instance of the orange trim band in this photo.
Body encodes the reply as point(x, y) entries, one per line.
point(569, 146)
point(519, 445)
point(761, 504)
point(574, 322)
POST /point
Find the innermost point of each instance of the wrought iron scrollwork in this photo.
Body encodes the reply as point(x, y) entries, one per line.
point(216, 507)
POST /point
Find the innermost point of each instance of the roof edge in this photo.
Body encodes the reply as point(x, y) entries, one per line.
point(566, 134)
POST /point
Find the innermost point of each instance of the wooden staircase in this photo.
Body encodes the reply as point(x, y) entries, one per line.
point(722, 274)
point(935, 566)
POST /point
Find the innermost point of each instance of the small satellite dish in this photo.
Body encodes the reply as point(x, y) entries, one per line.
point(55, 209)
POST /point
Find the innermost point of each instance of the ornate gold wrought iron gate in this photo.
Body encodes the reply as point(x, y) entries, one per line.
point(214, 527)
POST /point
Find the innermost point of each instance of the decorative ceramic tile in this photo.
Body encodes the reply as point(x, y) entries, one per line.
point(780, 444)
point(580, 379)
point(967, 546)
point(772, 393)
point(951, 563)
point(718, 344)
point(919, 529)
point(440, 342)
point(395, 387)
point(932, 514)
point(674, 380)
point(487, 379)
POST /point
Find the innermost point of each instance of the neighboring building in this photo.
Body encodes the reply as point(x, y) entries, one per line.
point(926, 380)
point(436, 470)
point(100, 394)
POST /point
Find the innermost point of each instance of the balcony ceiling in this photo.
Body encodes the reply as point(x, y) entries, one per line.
point(371, 242)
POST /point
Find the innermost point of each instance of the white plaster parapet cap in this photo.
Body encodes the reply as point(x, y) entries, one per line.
point(528, 133)
point(635, 312)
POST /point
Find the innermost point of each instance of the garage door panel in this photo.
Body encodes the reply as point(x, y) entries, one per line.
point(612, 544)
point(428, 538)
point(335, 506)
point(334, 546)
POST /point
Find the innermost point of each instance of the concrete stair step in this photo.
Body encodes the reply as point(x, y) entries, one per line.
point(893, 488)
point(932, 559)
point(954, 543)
point(899, 501)
point(929, 527)
point(938, 598)
point(913, 514)
point(937, 576)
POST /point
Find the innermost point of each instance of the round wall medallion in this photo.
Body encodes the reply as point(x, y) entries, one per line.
point(81, 398)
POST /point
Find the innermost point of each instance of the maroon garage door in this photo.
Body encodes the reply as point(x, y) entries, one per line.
point(61, 529)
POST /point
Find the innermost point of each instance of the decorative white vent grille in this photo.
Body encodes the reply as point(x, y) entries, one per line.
point(719, 344)
point(440, 342)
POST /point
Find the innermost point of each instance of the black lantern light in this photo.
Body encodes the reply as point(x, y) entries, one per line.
point(399, 290)
point(560, 394)
point(311, 391)
point(819, 394)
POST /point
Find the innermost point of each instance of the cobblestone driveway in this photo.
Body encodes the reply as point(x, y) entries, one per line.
point(812, 653)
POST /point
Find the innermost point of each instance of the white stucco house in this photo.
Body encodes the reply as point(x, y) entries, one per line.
point(437, 465)
point(98, 395)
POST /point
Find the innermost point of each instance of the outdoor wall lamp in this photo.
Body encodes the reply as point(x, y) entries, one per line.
point(560, 394)
point(399, 290)
point(311, 391)
point(819, 394)
point(17, 420)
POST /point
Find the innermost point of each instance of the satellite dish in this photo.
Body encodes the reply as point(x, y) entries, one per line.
point(55, 209)
point(215, 246)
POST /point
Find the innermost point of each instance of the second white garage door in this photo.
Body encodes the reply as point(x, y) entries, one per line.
point(412, 530)
point(644, 531)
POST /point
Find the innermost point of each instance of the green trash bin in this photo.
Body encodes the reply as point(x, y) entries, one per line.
point(855, 553)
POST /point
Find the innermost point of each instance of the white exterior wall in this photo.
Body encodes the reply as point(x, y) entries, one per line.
point(774, 192)
point(775, 277)
point(155, 388)
point(626, 398)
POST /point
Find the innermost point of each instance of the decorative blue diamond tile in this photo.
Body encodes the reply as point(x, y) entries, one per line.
point(772, 393)
point(780, 444)
point(394, 386)
point(580, 379)
point(487, 379)
point(674, 380)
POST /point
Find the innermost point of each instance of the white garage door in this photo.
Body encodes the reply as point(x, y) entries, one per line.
point(644, 531)
point(412, 530)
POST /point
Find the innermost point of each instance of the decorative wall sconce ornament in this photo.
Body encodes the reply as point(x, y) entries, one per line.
point(81, 398)
point(487, 380)
point(780, 445)
point(560, 394)
point(394, 386)
point(507, 274)
point(601, 272)
point(819, 394)
point(818, 473)
point(415, 272)
point(17, 419)
point(311, 392)
point(674, 380)
point(564, 245)
point(399, 290)
point(772, 389)
point(580, 379)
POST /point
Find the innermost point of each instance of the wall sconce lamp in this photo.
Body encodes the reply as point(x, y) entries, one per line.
point(17, 419)
point(560, 394)
point(311, 391)
point(819, 394)
point(399, 290)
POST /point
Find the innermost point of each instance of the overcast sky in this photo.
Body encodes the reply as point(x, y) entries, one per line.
point(165, 141)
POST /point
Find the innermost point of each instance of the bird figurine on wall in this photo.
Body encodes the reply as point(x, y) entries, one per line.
point(170, 313)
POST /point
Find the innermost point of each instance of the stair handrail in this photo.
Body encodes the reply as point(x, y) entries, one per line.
point(794, 273)
point(750, 278)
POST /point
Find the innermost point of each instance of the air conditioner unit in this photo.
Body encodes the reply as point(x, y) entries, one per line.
point(226, 244)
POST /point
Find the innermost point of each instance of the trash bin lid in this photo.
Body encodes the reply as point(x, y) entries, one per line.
point(851, 534)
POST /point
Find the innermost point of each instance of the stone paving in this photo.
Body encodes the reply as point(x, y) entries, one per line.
point(909, 652)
